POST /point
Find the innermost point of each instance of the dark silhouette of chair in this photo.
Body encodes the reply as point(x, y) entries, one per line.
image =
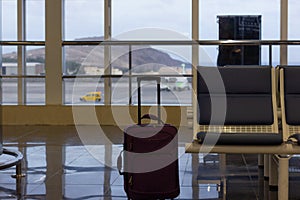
point(290, 101)
point(237, 105)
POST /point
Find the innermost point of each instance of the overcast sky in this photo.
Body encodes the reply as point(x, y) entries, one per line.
point(85, 18)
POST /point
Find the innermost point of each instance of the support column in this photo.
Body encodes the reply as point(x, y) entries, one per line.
point(194, 166)
point(266, 166)
point(195, 60)
point(53, 50)
point(21, 52)
point(260, 160)
point(273, 173)
point(107, 52)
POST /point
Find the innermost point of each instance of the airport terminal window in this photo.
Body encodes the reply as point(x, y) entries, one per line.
point(83, 68)
point(166, 21)
point(8, 53)
point(152, 60)
point(35, 20)
point(34, 65)
point(35, 68)
point(135, 19)
point(293, 31)
point(84, 90)
point(83, 19)
point(120, 59)
point(9, 68)
point(35, 91)
point(19, 63)
point(10, 91)
point(269, 11)
point(84, 61)
point(9, 20)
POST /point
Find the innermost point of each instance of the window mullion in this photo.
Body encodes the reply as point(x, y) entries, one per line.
point(53, 50)
point(195, 55)
point(21, 52)
point(283, 31)
point(107, 52)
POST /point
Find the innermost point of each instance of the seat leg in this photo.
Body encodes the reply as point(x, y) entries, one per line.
point(260, 160)
point(273, 173)
point(266, 166)
point(283, 176)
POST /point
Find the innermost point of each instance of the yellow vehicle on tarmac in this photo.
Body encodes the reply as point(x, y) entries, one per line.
point(91, 96)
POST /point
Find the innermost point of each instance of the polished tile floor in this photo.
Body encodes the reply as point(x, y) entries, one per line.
point(66, 162)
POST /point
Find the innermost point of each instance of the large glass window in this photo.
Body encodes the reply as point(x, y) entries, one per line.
point(8, 28)
point(172, 62)
point(83, 90)
point(13, 70)
point(9, 69)
point(293, 31)
point(35, 67)
point(35, 20)
point(151, 20)
point(132, 19)
point(35, 55)
point(10, 91)
point(83, 67)
point(269, 10)
point(83, 19)
point(159, 24)
point(9, 19)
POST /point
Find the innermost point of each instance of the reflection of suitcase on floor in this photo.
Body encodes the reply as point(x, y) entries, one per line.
point(150, 156)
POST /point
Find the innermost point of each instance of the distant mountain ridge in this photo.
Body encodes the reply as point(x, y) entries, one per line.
point(141, 56)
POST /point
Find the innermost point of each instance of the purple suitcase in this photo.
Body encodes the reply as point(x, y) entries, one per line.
point(150, 156)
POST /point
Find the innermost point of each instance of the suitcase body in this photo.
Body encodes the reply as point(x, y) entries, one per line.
point(151, 158)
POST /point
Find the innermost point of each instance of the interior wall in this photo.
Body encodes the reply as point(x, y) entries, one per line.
point(86, 115)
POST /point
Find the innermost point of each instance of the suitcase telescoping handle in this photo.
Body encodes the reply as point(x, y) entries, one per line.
point(148, 78)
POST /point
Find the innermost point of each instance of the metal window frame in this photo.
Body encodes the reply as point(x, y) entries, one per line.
point(54, 42)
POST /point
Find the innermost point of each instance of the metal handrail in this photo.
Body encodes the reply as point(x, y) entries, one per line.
point(130, 43)
point(157, 42)
point(22, 43)
point(125, 76)
point(18, 156)
point(97, 76)
point(22, 76)
point(185, 42)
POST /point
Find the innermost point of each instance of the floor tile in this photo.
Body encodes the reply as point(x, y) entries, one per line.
point(59, 165)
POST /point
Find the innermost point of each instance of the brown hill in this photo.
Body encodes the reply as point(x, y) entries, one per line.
point(75, 56)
